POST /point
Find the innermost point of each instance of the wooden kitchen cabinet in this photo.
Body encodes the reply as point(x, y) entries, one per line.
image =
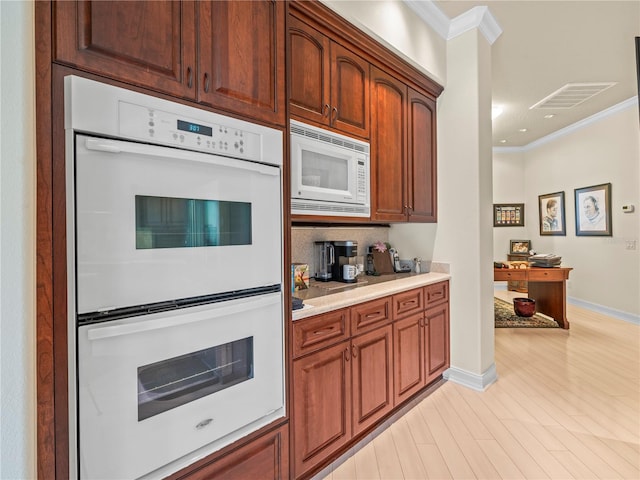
point(266, 458)
point(403, 152)
point(229, 55)
point(321, 410)
point(329, 84)
point(408, 355)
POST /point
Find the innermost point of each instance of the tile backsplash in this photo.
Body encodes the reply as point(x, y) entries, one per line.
point(302, 239)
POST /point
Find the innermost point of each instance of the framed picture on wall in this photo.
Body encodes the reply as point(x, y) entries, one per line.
point(508, 214)
point(593, 210)
point(551, 214)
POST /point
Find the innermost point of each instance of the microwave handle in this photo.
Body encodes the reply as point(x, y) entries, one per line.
point(116, 146)
point(174, 318)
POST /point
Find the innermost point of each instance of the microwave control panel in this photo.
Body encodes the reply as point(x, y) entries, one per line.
point(157, 126)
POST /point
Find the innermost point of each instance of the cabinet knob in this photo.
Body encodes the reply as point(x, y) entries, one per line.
point(206, 83)
point(354, 351)
point(326, 109)
point(189, 77)
point(334, 111)
point(346, 354)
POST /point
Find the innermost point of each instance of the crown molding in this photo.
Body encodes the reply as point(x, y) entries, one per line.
point(478, 17)
point(579, 125)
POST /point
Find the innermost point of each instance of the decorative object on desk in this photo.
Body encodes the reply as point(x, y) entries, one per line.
point(524, 307)
point(505, 318)
point(300, 276)
point(593, 210)
point(508, 214)
point(545, 260)
point(519, 247)
point(551, 214)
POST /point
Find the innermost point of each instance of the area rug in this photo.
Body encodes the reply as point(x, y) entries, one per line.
point(505, 317)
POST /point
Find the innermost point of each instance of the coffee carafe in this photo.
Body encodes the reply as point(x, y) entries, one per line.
point(345, 268)
point(324, 259)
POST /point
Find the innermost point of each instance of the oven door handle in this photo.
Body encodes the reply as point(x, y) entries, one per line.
point(174, 319)
point(116, 146)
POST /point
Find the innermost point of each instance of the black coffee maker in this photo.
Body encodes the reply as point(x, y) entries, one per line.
point(344, 268)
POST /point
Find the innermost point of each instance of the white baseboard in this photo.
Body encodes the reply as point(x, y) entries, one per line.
point(471, 380)
point(610, 312)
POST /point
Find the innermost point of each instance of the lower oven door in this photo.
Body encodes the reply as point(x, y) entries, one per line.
point(157, 388)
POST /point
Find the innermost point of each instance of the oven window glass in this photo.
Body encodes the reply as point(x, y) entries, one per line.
point(319, 170)
point(164, 222)
point(170, 383)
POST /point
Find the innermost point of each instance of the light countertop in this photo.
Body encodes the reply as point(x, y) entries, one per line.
point(324, 297)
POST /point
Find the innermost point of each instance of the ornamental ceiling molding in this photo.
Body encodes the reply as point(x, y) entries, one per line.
point(477, 17)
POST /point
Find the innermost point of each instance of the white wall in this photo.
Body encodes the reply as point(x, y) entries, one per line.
point(603, 150)
point(17, 243)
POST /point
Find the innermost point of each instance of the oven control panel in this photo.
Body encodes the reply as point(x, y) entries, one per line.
point(157, 126)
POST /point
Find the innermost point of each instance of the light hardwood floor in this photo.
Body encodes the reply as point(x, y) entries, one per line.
point(566, 406)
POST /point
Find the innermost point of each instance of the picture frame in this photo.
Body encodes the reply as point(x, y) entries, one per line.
point(551, 214)
point(508, 214)
point(519, 247)
point(593, 210)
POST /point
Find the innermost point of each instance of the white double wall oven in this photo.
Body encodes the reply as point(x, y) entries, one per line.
point(174, 233)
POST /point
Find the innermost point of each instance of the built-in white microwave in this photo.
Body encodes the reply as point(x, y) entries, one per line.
point(330, 173)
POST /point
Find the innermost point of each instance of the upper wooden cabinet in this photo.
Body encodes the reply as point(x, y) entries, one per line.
point(229, 55)
point(147, 43)
point(241, 57)
point(329, 84)
point(403, 152)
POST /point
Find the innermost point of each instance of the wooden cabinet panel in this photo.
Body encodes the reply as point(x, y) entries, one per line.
point(146, 43)
point(436, 323)
point(349, 92)
point(372, 377)
point(369, 315)
point(317, 332)
point(388, 147)
point(408, 364)
point(422, 176)
point(266, 458)
point(407, 303)
point(321, 408)
point(241, 58)
point(436, 293)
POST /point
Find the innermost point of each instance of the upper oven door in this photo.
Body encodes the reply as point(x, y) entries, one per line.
point(156, 223)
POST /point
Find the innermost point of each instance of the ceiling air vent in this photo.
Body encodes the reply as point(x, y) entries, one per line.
point(572, 94)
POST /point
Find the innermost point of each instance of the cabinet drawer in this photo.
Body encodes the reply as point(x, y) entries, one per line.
point(436, 293)
point(407, 303)
point(317, 332)
point(506, 274)
point(546, 274)
point(370, 315)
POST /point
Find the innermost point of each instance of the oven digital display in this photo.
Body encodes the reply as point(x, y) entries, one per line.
point(195, 128)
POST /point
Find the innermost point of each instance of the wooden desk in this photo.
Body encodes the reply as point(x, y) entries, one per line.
point(547, 286)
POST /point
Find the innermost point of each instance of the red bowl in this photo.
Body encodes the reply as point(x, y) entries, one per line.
point(524, 307)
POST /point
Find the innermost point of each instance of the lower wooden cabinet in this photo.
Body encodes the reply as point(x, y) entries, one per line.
point(347, 377)
point(266, 458)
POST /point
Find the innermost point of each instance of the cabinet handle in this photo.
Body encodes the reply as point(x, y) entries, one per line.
point(374, 314)
point(326, 110)
point(346, 354)
point(189, 77)
point(334, 110)
point(324, 332)
point(354, 351)
point(206, 83)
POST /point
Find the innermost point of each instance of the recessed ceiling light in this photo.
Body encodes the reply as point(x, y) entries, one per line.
point(503, 141)
point(495, 111)
point(522, 130)
point(550, 115)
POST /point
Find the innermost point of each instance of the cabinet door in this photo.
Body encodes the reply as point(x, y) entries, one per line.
point(436, 323)
point(388, 147)
point(422, 176)
point(309, 76)
point(349, 92)
point(321, 406)
point(408, 357)
point(372, 377)
point(241, 58)
point(266, 458)
point(145, 43)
